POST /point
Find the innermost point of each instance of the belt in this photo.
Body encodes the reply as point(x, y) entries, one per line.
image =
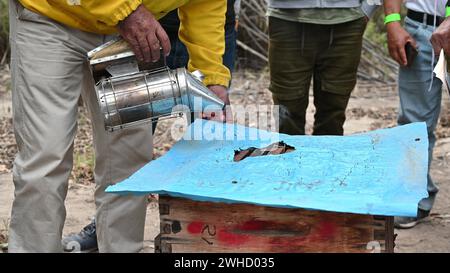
point(422, 17)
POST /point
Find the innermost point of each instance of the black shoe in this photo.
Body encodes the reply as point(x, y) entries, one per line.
point(410, 222)
point(83, 242)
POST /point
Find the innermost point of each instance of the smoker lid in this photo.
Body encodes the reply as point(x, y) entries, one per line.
point(112, 47)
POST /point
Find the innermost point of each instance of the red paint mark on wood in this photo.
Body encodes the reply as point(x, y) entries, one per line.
point(230, 238)
point(253, 225)
point(327, 229)
point(288, 241)
point(195, 227)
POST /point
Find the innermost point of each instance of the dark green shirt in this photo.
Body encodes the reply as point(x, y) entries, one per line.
point(323, 16)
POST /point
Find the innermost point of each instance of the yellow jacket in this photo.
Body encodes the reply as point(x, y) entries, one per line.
point(201, 28)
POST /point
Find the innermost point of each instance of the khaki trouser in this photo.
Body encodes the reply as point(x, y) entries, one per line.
point(329, 54)
point(49, 73)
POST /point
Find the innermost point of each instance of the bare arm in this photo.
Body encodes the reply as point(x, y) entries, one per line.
point(392, 6)
point(397, 36)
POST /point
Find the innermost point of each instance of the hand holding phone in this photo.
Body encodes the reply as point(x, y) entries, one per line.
point(411, 53)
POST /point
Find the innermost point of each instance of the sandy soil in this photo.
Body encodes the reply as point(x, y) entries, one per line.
point(371, 107)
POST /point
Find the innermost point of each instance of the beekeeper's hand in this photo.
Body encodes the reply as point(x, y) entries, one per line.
point(225, 115)
point(144, 34)
point(441, 38)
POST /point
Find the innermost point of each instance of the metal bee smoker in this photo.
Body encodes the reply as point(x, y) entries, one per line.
point(131, 93)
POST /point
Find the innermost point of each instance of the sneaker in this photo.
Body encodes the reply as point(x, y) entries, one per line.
point(405, 222)
point(410, 222)
point(83, 242)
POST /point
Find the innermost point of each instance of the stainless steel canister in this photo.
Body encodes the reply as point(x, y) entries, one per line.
point(145, 96)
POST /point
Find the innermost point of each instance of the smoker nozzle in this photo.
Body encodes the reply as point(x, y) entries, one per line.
point(199, 92)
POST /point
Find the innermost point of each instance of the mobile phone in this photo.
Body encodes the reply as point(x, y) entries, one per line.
point(411, 53)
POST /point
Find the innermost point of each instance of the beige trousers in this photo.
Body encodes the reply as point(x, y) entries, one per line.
point(49, 73)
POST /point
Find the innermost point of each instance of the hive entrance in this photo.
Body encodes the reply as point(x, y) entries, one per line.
point(273, 149)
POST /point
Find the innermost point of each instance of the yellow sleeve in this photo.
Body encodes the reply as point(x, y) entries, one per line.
point(111, 12)
point(202, 30)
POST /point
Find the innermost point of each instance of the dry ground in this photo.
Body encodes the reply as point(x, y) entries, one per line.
point(371, 107)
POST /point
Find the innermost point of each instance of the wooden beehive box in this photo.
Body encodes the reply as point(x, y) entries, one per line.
point(352, 177)
point(193, 226)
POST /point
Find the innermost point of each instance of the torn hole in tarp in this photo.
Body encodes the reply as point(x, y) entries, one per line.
point(276, 148)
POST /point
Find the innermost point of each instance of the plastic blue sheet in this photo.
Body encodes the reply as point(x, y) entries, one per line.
point(383, 172)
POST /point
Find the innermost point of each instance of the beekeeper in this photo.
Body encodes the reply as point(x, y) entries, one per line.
point(49, 43)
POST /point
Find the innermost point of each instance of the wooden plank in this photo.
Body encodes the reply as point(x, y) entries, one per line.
point(390, 236)
point(191, 226)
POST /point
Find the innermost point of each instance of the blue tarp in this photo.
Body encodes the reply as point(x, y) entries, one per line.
point(383, 172)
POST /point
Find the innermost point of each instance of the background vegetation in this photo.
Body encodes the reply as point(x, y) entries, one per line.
point(375, 31)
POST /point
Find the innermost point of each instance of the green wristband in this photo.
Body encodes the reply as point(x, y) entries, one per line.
point(393, 17)
point(447, 11)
